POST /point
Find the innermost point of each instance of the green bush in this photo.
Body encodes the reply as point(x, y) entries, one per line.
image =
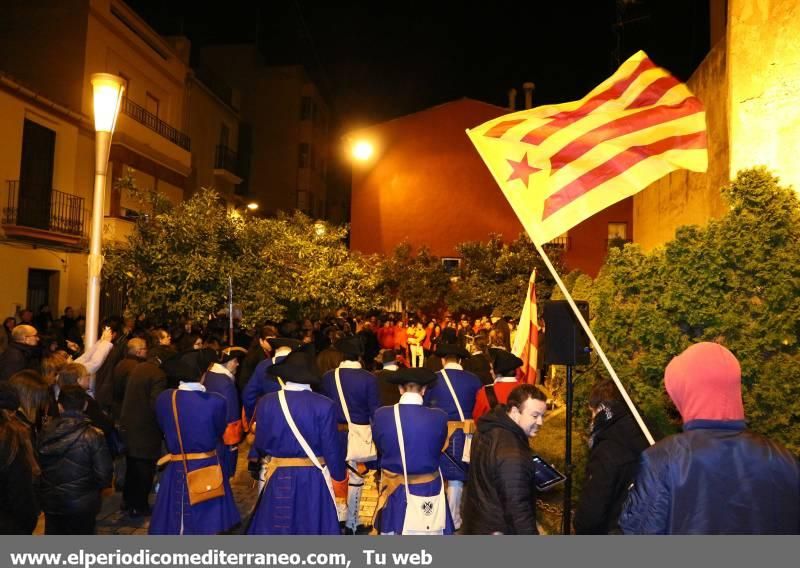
point(735, 281)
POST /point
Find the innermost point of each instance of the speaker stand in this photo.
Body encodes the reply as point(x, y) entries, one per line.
point(566, 521)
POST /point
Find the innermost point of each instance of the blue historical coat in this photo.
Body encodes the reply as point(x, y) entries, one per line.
point(466, 385)
point(424, 433)
point(296, 500)
point(221, 381)
point(260, 383)
point(360, 388)
point(202, 420)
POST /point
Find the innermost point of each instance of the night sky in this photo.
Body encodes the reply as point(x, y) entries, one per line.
point(379, 60)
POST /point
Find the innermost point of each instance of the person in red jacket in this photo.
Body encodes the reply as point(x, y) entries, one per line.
point(386, 335)
point(505, 366)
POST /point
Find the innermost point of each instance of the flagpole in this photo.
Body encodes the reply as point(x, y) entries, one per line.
point(595, 343)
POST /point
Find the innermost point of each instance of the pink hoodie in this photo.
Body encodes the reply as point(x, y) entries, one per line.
point(705, 382)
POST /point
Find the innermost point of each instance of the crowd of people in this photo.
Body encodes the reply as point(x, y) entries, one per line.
point(432, 409)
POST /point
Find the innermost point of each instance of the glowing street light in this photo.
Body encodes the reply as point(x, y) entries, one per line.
point(362, 150)
point(252, 206)
point(107, 90)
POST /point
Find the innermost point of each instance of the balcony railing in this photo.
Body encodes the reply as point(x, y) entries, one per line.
point(63, 213)
point(560, 242)
point(226, 159)
point(617, 242)
point(151, 121)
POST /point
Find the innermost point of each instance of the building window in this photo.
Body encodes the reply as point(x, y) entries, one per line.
point(303, 155)
point(451, 264)
point(307, 108)
point(152, 105)
point(617, 235)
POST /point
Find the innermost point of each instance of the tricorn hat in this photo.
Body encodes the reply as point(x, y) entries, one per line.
point(297, 367)
point(351, 345)
point(451, 350)
point(418, 375)
point(505, 363)
point(233, 353)
point(387, 356)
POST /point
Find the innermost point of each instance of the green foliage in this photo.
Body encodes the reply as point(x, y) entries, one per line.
point(494, 274)
point(418, 281)
point(735, 281)
point(178, 260)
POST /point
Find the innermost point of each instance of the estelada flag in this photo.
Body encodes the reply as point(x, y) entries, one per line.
point(560, 164)
point(526, 341)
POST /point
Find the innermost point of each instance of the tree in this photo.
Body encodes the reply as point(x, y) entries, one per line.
point(735, 281)
point(418, 281)
point(178, 260)
point(495, 275)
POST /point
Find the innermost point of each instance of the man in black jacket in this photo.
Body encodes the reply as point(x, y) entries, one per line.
point(22, 352)
point(76, 466)
point(500, 494)
point(141, 433)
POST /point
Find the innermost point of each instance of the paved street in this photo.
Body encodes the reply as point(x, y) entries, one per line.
point(113, 521)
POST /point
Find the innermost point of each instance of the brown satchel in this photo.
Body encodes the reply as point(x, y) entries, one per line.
point(204, 483)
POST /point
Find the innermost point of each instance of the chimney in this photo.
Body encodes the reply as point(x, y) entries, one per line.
point(528, 88)
point(512, 99)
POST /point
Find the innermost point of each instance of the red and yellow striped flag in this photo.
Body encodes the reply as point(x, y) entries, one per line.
point(526, 341)
point(560, 164)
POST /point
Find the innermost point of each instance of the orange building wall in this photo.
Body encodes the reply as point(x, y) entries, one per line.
point(427, 184)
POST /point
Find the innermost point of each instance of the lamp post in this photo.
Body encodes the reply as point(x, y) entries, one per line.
point(107, 90)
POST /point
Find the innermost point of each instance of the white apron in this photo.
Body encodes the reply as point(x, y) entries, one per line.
point(360, 447)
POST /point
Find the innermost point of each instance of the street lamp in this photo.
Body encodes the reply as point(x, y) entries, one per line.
point(252, 206)
point(362, 150)
point(107, 90)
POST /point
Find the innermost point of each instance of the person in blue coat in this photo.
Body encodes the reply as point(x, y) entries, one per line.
point(221, 379)
point(460, 426)
point(298, 496)
point(261, 382)
point(360, 390)
point(202, 419)
point(424, 436)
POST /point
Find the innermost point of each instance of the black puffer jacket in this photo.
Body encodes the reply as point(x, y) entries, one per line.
point(500, 495)
point(75, 463)
point(617, 444)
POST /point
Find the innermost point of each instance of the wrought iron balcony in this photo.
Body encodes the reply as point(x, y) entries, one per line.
point(62, 213)
point(617, 242)
point(151, 121)
point(560, 242)
point(226, 159)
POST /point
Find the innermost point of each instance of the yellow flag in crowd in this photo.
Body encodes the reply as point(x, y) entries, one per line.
point(560, 164)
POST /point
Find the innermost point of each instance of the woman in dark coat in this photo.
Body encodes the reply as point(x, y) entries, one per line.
point(616, 442)
point(19, 471)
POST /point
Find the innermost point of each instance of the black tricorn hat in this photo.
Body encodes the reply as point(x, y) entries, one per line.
point(387, 356)
point(233, 353)
point(451, 350)
point(276, 342)
point(418, 375)
point(505, 363)
point(351, 345)
point(298, 367)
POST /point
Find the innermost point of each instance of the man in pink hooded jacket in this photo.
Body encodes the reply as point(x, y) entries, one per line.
point(716, 477)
